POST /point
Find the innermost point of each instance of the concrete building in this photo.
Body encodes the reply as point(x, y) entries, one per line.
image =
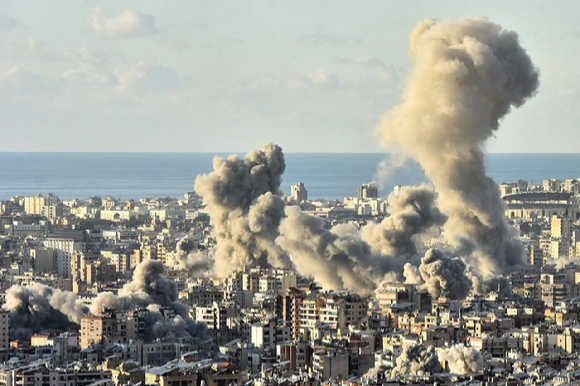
point(368, 191)
point(94, 329)
point(44, 260)
point(35, 204)
point(534, 205)
point(4, 330)
point(552, 185)
point(215, 316)
point(65, 245)
point(299, 192)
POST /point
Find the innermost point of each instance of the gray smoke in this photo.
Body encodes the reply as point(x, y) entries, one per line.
point(412, 213)
point(417, 360)
point(148, 286)
point(189, 259)
point(440, 275)
point(150, 289)
point(161, 327)
point(467, 76)
point(349, 258)
point(39, 307)
point(462, 360)
point(336, 258)
point(245, 204)
point(497, 284)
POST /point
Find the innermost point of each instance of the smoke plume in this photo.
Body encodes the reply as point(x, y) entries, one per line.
point(412, 212)
point(337, 258)
point(349, 258)
point(416, 360)
point(150, 289)
point(244, 200)
point(187, 258)
point(39, 307)
point(462, 360)
point(387, 168)
point(467, 76)
point(440, 276)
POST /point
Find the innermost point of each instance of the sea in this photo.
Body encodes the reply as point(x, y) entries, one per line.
point(325, 175)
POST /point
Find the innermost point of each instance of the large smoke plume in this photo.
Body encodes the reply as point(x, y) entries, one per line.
point(416, 360)
point(39, 307)
point(346, 257)
point(467, 75)
point(245, 203)
point(462, 360)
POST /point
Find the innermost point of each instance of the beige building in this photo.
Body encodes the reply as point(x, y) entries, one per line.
point(36, 204)
point(94, 329)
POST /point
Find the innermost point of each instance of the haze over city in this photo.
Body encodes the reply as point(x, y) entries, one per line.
point(368, 236)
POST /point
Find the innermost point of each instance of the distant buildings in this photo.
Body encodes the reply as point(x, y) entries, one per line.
point(368, 191)
point(299, 192)
point(541, 204)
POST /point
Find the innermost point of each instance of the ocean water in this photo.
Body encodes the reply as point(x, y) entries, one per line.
point(326, 175)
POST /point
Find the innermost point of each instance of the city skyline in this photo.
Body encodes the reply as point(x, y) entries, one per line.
point(225, 77)
point(432, 262)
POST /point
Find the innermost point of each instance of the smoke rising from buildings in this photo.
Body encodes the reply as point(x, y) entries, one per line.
point(462, 360)
point(340, 257)
point(412, 212)
point(150, 289)
point(416, 360)
point(321, 254)
point(440, 275)
point(189, 259)
point(39, 307)
point(467, 76)
point(387, 168)
point(148, 286)
point(245, 204)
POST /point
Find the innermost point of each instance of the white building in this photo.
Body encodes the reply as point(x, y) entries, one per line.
point(299, 192)
point(64, 248)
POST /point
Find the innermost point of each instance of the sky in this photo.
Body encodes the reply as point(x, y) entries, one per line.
point(221, 76)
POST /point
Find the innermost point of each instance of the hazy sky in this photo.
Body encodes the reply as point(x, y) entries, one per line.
point(312, 76)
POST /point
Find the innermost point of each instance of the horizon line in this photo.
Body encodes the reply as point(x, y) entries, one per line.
point(246, 151)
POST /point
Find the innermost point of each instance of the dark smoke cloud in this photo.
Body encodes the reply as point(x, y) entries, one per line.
point(440, 276)
point(245, 203)
point(416, 360)
point(467, 76)
point(39, 307)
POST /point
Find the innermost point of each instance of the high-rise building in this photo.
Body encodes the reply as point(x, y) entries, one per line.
point(4, 330)
point(561, 231)
point(552, 185)
point(299, 192)
point(36, 204)
point(535, 256)
point(368, 191)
